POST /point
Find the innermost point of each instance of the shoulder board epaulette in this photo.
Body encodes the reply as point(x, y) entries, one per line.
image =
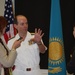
point(11, 38)
point(32, 33)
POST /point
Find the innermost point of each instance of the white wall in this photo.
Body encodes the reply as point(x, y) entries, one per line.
point(2, 7)
point(2, 2)
point(45, 72)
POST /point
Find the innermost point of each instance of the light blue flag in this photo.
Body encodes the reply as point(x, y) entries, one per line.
point(56, 61)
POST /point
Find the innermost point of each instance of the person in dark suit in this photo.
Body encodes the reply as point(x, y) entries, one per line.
point(71, 63)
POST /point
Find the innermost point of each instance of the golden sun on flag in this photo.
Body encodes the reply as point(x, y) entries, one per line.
point(56, 51)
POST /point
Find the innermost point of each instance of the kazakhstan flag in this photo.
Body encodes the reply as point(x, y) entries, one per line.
point(56, 61)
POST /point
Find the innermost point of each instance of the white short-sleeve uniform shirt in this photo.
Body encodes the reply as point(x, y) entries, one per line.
point(27, 56)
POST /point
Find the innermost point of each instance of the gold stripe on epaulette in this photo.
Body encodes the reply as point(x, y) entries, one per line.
point(32, 33)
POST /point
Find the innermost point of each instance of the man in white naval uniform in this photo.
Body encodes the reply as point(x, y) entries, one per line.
point(27, 61)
